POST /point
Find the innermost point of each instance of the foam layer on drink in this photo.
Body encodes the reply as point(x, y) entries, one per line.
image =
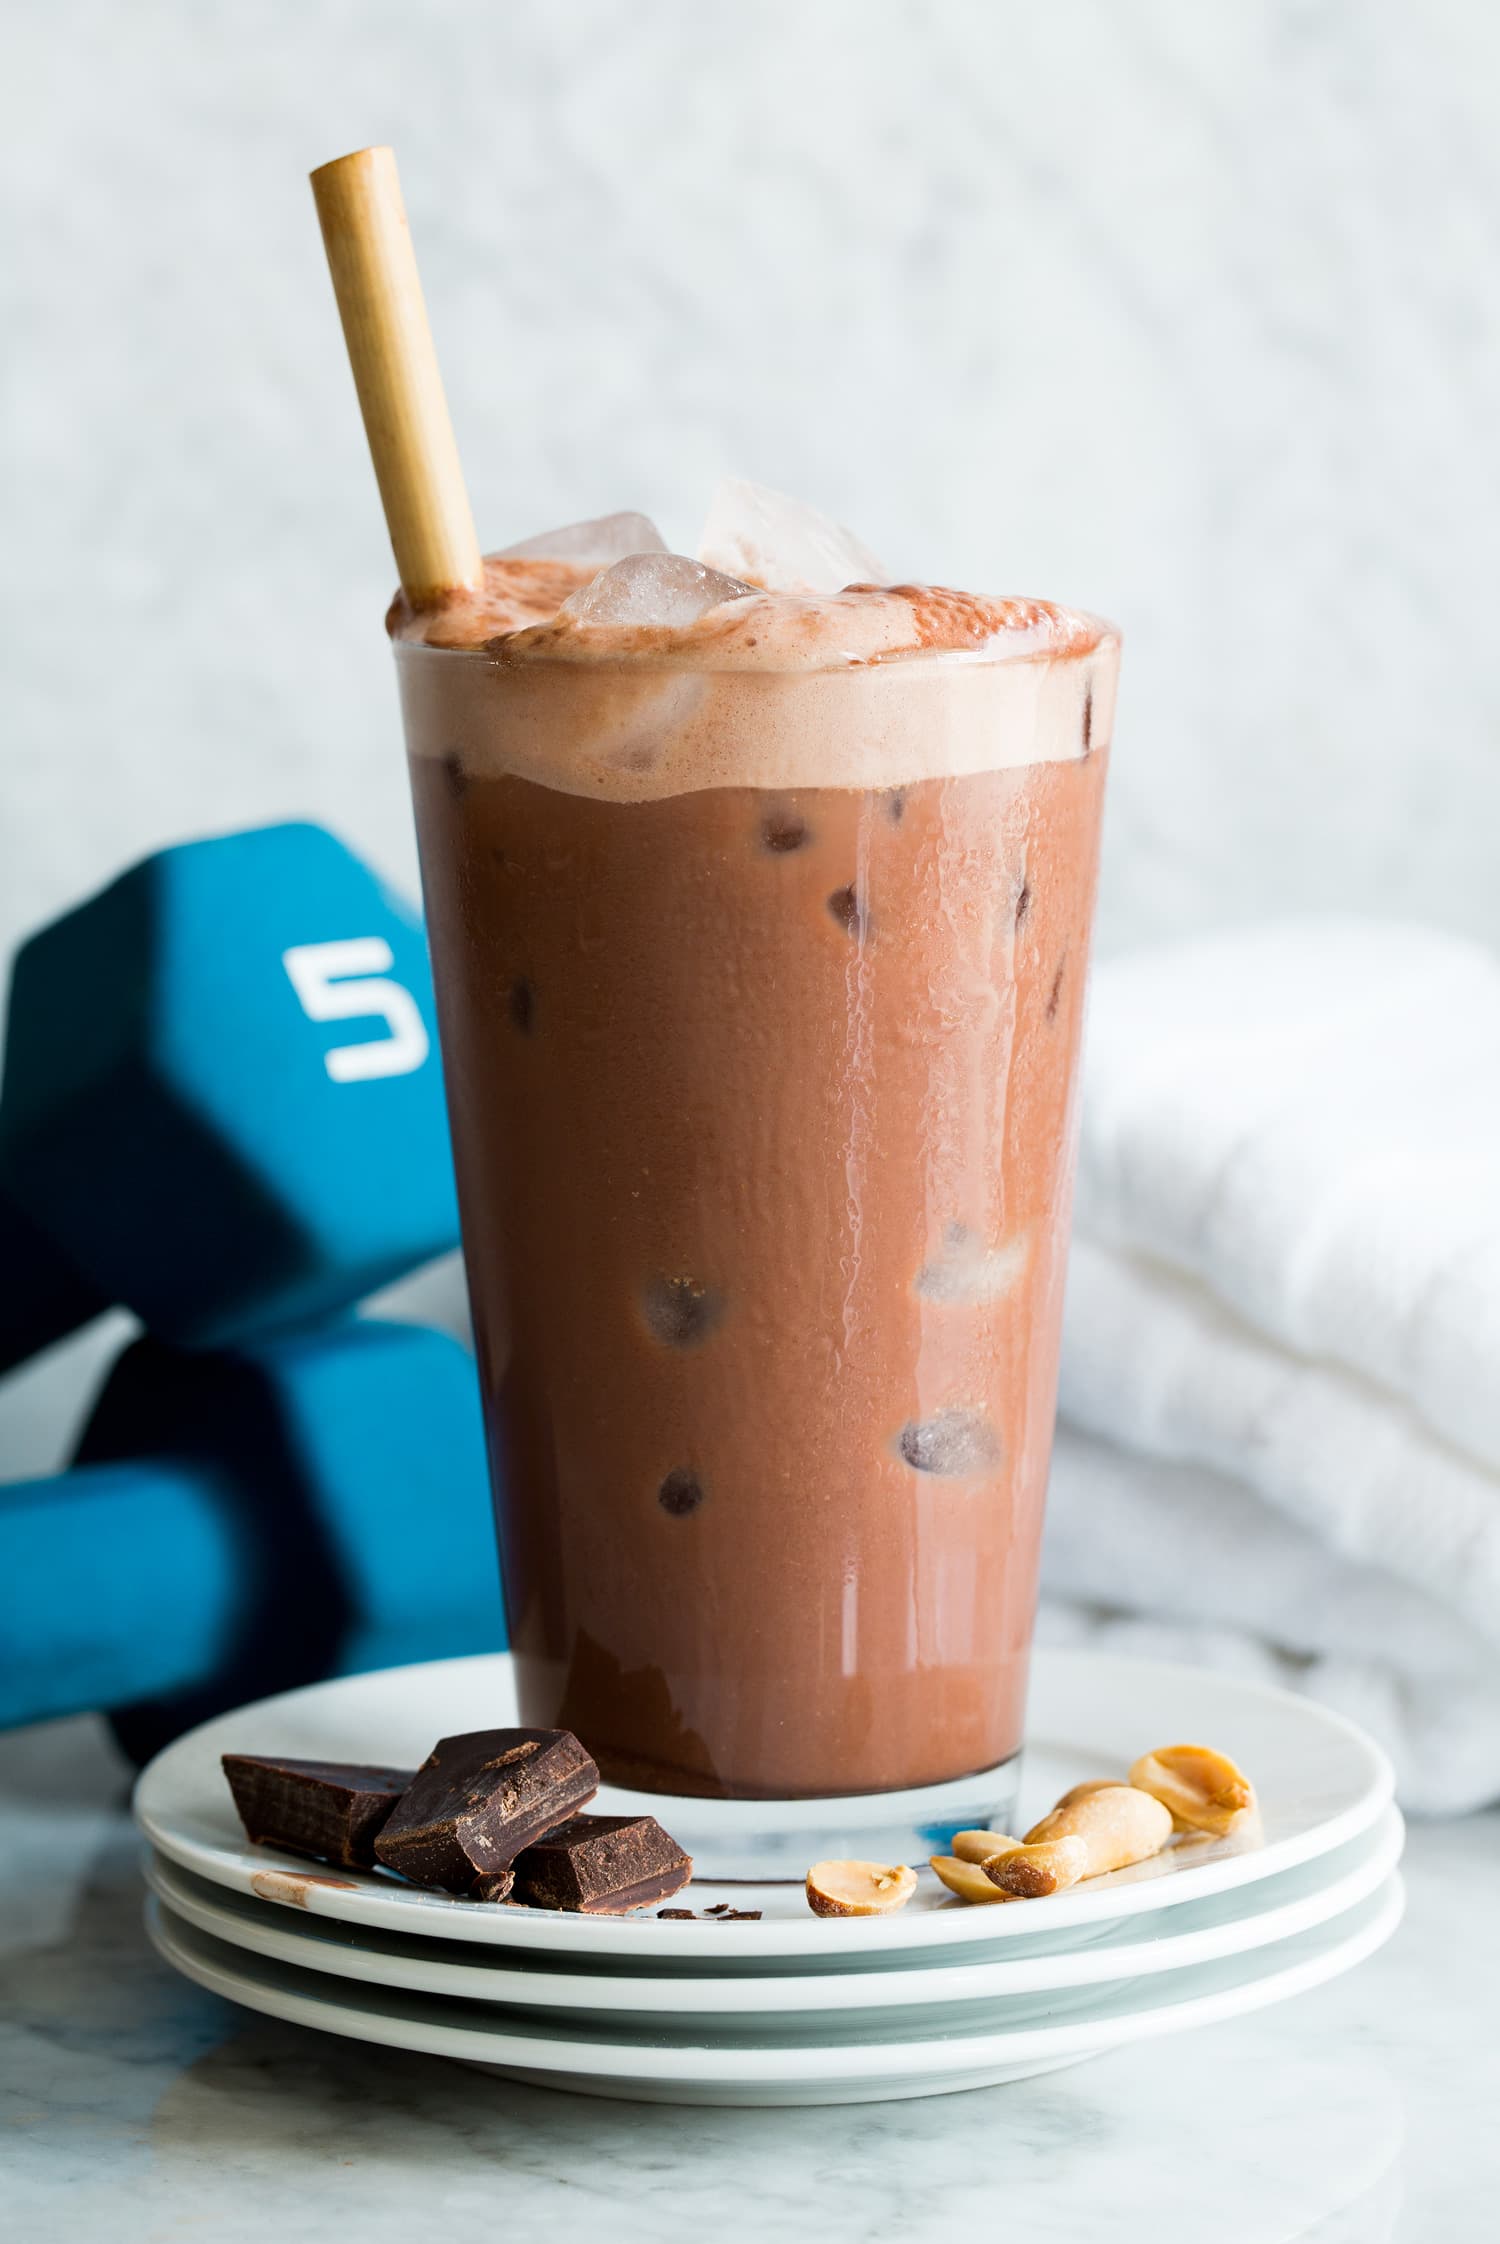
point(868, 688)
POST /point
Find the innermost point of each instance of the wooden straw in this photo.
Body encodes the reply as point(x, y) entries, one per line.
point(395, 367)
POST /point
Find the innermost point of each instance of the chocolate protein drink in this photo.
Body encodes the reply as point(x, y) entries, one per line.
point(760, 942)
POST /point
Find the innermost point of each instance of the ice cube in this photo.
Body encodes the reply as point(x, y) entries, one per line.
point(967, 1270)
point(591, 544)
point(652, 588)
point(782, 543)
point(953, 1444)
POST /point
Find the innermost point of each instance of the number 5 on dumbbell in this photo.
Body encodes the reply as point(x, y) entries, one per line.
point(346, 981)
point(222, 1105)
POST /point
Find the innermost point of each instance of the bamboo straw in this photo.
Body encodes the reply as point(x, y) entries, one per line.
point(395, 369)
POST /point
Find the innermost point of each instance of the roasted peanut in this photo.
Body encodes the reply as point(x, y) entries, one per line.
point(966, 1879)
point(1093, 1829)
point(859, 1889)
point(1094, 1784)
point(1201, 1789)
point(1026, 1873)
point(978, 1846)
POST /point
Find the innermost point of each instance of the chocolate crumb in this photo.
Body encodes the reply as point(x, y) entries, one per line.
point(846, 908)
point(680, 1493)
point(1088, 717)
point(454, 773)
point(679, 1312)
point(1023, 904)
point(782, 831)
point(895, 806)
point(737, 1916)
point(1057, 982)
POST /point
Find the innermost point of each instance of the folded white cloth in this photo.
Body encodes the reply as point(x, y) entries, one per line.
point(1176, 1562)
point(1286, 1286)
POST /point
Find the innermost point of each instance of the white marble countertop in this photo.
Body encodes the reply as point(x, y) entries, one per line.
point(138, 2109)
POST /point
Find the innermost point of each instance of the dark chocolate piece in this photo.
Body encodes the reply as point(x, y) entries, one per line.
point(331, 1810)
point(477, 1800)
point(689, 1913)
point(602, 1865)
point(496, 1887)
point(738, 1916)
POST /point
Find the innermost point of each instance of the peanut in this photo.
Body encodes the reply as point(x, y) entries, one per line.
point(1028, 1872)
point(978, 1846)
point(859, 1889)
point(1201, 1789)
point(966, 1879)
point(1093, 1829)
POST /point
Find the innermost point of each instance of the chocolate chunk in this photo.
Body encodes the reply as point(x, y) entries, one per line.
point(680, 1493)
point(783, 830)
point(330, 1810)
point(522, 1004)
point(689, 1914)
point(680, 1312)
point(477, 1800)
point(496, 1887)
point(738, 1916)
point(846, 908)
point(602, 1865)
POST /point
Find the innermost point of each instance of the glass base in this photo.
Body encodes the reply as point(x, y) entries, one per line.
point(777, 1841)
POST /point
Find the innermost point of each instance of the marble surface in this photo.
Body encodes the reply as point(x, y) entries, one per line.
point(135, 2107)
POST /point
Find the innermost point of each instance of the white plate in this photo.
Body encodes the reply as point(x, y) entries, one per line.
point(1233, 1924)
point(1321, 1782)
point(757, 2067)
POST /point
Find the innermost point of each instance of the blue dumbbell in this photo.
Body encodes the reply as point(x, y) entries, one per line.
point(243, 1521)
point(222, 1104)
point(42, 1296)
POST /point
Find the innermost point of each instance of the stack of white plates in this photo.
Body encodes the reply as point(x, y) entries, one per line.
point(792, 2008)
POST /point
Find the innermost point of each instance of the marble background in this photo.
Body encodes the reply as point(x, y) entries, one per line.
point(1185, 313)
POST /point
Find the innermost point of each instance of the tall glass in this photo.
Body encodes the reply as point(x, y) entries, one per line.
point(763, 1113)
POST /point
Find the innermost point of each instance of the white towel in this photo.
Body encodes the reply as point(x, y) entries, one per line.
point(1286, 1287)
point(1175, 1562)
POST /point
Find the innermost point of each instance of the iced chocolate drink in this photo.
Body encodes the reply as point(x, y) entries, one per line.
point(760, 935)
